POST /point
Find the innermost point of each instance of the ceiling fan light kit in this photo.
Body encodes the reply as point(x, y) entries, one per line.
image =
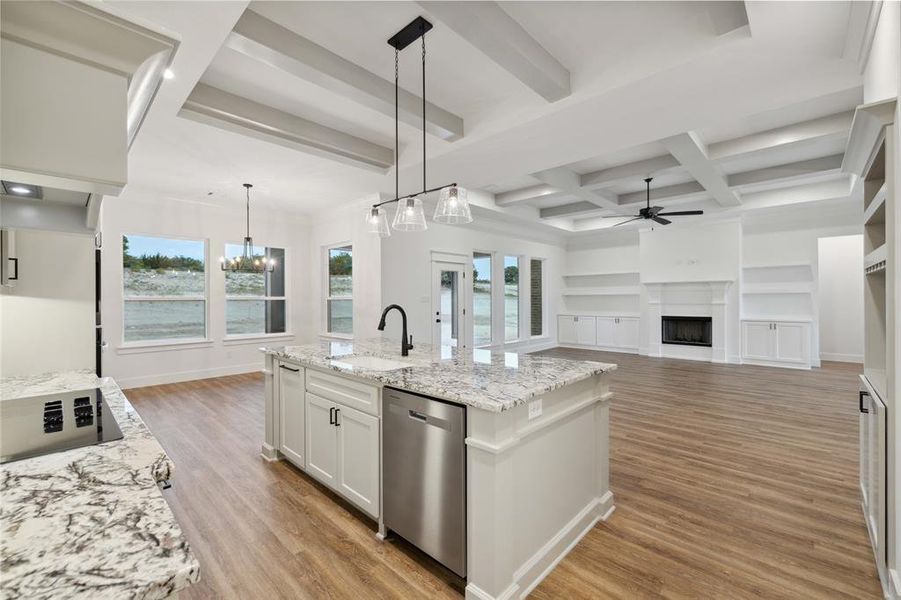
point(652, 212)
point(453, 205)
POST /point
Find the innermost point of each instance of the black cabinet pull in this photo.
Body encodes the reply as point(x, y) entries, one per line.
point(861, 395)
point(16, 265)
point(331, 416)
point(337, 424)
point(287, 368)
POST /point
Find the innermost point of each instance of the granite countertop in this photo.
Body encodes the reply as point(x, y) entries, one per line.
point(90, 522)
point(490, 380)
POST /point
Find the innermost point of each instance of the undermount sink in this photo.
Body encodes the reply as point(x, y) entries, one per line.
point(371, 363)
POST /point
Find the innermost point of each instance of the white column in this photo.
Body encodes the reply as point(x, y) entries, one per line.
point(655, 314)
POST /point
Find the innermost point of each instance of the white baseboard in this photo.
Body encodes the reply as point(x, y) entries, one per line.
point(163, 378)
point(269, 453)
point(851, 358)
point(598, 348)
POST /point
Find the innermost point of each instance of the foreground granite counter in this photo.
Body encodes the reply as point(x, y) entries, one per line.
point(90, 522)
point(490, 380)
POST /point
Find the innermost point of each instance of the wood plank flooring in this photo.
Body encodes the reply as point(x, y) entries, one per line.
point(730, 482)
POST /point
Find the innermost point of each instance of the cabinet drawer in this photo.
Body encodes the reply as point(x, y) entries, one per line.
point(345, 391)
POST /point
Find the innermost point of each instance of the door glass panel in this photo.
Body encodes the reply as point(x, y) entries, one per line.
point(450, 308)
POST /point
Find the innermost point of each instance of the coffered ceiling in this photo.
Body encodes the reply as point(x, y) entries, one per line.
point(552, 113)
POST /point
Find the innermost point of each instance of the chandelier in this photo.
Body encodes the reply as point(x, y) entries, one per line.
point(247, 262)
point(453, 206)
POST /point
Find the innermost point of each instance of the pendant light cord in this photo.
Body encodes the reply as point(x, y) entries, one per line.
point(423, 113)
point(396, 142)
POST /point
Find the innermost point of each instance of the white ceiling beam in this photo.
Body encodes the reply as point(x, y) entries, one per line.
point(498, 36)
point(568, 181)
point(726, 17)
point(861, 30)
point(270, 43)
point(630, 172)
point(783, 174)
point(692, 153)
point(680, 191)
point(216, 107)
point(807, 133)
point(526, 194)
point(570, 210)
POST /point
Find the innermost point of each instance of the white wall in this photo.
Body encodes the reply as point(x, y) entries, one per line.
point(841, 298)
point(347, 226)
point(47, 320)
point(139, 213)
point(882, 76)
point(407, 279)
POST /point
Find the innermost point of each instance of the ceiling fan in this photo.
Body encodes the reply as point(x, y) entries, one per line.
point(653, 212)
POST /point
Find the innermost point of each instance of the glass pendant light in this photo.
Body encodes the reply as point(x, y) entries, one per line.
point(377, 221)
point(453, 207)
point(409, 215)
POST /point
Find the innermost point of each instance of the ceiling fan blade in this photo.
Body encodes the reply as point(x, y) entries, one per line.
point(619, 216)
point(662, 221)
point(681, 213)
point(629, 221)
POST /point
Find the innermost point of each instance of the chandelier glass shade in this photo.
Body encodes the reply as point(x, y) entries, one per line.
point(453, 207)
point(410, 216)
point(377, 221)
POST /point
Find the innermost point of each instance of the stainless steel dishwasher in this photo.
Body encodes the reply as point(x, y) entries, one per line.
point(424, 475)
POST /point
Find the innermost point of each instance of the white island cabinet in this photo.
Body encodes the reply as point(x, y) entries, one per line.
point(536, 443)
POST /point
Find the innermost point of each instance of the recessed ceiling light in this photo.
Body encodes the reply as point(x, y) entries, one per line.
point(18, 189)
point(168, 74)
point(22, 189)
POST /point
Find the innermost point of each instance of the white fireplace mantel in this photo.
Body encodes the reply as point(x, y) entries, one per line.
point(708, 298)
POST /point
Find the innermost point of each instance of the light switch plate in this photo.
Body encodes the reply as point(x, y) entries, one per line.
point(534, 409)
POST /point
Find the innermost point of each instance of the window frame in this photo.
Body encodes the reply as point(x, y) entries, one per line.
point(205, 298)
point(544, 308)
point(263, 335)
point(327, 290)
point(488, 255)
point(519, 297)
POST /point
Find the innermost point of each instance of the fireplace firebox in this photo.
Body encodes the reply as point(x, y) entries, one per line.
point(687, 331)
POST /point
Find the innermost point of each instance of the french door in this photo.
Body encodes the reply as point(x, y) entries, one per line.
point(449, 301)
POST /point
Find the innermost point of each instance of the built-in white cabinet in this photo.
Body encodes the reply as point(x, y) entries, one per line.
point(872, 465)
point(617, 333)
point(578, 330)
point(322, 440)
point(604, 333)
point(776, 343)
point(292, 428)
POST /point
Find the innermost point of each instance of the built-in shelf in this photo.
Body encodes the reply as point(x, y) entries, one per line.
point(589, 313)
point(628, 290)
point(875, 211)
point(600, 273)
point(796, 265)
point(875, 260)
point(799, 287)
point(780, 318)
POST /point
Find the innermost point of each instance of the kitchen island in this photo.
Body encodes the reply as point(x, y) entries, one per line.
point(536, 442)
point(90, 522)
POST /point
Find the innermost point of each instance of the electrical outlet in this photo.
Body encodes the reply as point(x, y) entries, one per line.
point(534, 409)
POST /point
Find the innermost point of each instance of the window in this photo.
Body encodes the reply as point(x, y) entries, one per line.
point(255, 302)
point(164, 288)
point(481, 299)
point(536, 297)
point(511, 298)
point(339, 303)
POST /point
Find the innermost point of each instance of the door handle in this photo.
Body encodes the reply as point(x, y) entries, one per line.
point(287, 368)
point(337, 424)
point(331, 416)
point(437, 320)
point(860, 396)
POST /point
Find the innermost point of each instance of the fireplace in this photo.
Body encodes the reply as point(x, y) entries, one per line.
point(687, 331)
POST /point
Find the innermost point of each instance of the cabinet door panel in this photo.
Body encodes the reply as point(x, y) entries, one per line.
point(585, 331)
point(626, 333)
point(566, 330)
point(358, 458)
point(291, 406)
point(792, 342)
point(606, 335)
point(322, 440)
point(757, 341)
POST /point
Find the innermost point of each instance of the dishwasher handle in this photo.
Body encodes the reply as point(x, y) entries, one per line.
point(417, 416)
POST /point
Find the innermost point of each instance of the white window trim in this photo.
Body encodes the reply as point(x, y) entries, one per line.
point(519, 297)
point(544, 321)
point(326, 289)
point(490, 256)
point(126, 347)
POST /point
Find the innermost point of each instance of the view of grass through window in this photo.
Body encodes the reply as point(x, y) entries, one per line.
point(481, 299)
point(164, 287)
point(339, 304)
point(511, 298)
point(255, 302)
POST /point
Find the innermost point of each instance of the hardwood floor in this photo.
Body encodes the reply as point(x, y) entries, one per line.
point(730, 482)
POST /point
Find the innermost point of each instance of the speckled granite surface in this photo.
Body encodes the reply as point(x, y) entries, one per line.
point(485, 379)
point(90, 522)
